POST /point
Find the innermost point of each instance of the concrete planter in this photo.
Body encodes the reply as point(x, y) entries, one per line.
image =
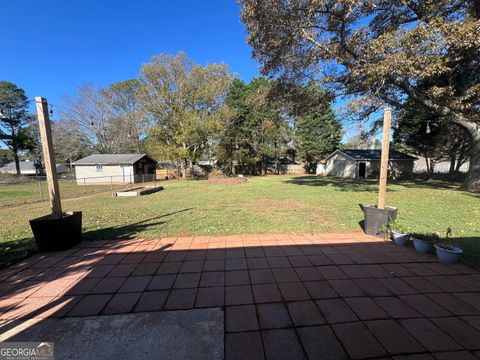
point(399, 238)
point(448, 256)
point(375, 219)
point(57, 234)
point(423, 246)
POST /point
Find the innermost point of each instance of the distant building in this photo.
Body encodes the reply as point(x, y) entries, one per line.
point(114, 168)
point(362, 164)
point(27, 167)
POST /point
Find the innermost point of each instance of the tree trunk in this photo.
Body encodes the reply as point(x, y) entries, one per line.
point(472, 181)
point(451, 171)
point(184, 172)
point(17, 162)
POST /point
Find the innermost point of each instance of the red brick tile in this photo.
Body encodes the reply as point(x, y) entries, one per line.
point(161, 282)
point(279, 262)
point(82, 287)
point(169, 268)
point(372, 287)
point(336, 311)
point(135, 284)
point(238, 295)
point(238, 277)
point(241, 318)
point(393, 337)
point(154, 257)
point(365, 308)
point(346, 288)
point(397, 270)
point(340, 259)
point(100, 271)
point(108, 285)
point(331, 272)
point(28, 308)
point(90, 305)
point(471, 298)
point(320, 342)
point(213, 278)
point(424, 305)
point(282, 344)
point(320, 289)
point(354, 271)
point(467, 281)
point(397, 286)
point(299, 261)
point(264, 293)
point(376, 271)
point(181, 299)
point(121, 303)
point(453, 304)
point(473, 321)
point(146, 269)
point(358, 341)
point(235, 264)
point(308, 274)
point(214, 265)
point(396, 308)
point(420, 269)
point(261, 276)
point(234, 254)
point(305, 313)
point(217, 254)
point(241, 346)
point(193, 266)
point(134, 258)
point(186, 281)
point(255, 252)
point(429, 335)
point(455, 355)
point(195, 255)
point(151, 301)
point(257, 263)
point(293, 291)
point(273, 316)
point(421, 285)
point(285, 275)
point(319, 259)
point(174, 256)
point(210, 297)
point(122, 270)
point(460, 331)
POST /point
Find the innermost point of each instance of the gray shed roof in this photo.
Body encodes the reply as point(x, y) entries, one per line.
point(374, 154)
point(111, 159)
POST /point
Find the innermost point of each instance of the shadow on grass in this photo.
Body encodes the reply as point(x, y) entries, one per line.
point(12, 251)
point(128, 231)
point(471, 250)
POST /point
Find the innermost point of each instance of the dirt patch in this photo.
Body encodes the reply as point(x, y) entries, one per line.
point(226, 181)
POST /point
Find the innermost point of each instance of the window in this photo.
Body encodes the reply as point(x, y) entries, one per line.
point(99, 168)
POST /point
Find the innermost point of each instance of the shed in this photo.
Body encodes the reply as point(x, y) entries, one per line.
point(114, 168)
point(362, 164)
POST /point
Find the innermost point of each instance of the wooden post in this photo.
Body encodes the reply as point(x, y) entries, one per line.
point(382, 191)
point(49, 157)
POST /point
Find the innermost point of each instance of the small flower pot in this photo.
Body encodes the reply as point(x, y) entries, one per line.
point(57, 234)
point(399, 238)
point(448, 256)
point(423, 246)
point(375, 219)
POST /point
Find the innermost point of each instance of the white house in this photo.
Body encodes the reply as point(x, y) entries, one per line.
point(361, 164)
point(114, 168)
point(27, 167)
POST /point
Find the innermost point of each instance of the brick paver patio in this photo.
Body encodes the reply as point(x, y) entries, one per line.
point(316, 296)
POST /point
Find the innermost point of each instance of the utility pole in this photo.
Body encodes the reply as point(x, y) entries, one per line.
point(382, 192)
point(49, 157)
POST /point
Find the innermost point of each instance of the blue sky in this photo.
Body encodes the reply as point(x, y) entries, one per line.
point(49, 48)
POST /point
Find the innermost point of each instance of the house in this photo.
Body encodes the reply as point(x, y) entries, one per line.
point(27, 167)
point(114, 168)
point(362, 164)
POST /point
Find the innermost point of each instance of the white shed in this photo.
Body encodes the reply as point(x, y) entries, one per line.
point(114, 168)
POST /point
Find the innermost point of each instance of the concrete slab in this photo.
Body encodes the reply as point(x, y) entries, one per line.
point(191, 334)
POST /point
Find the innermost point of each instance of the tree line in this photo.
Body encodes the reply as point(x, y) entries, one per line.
point(183, 112)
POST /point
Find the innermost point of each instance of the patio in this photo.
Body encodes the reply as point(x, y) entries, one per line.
point(286, 296)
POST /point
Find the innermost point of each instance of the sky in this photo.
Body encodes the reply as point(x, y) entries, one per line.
point(50, 48)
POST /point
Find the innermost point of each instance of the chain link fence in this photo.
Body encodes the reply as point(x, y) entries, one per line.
point(16, 191)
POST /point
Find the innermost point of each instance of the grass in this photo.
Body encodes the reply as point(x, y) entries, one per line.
point(262, 205)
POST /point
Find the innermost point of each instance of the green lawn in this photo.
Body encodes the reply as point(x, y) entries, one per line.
point(262, 205)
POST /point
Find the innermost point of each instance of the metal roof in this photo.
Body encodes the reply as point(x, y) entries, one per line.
point(373, 154)
point(111, 159)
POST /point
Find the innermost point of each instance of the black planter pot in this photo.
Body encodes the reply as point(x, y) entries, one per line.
point(375, 218)
point(57, 234)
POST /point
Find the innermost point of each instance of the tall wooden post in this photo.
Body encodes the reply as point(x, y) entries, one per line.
point(382, 192)
point(49, 157)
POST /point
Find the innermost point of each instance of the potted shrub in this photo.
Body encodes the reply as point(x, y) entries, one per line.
point(398, 233)
point(423, 242)
point(447, 252)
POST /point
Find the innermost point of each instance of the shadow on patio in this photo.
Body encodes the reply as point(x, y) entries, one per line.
point(303, 296)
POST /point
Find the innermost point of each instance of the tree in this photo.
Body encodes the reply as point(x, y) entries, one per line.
point(106, 117)
point(69, 142)
point(186, 101)
point(14, 121)
point(6, 156)
point(318, 132)
point(379, 52)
